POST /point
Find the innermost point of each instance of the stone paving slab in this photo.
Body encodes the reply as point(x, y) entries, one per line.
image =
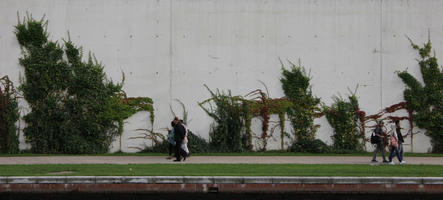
point(208, 159)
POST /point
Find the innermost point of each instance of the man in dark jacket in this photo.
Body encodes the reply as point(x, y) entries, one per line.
point(400, 140)
point(179, 135)
point(379, 146)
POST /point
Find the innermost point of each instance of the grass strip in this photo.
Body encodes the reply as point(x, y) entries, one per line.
point(184, 169)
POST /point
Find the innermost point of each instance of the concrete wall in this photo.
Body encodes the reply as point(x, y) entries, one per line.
point(169, 48)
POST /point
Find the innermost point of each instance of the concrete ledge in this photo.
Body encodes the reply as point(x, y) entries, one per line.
point(168, 179)
point(140, 179)
point(228, 179)
point(408, 180)
point(220, 184)
point(433, 180)
point(198, 179)
point(257, 180)
point(215, 180)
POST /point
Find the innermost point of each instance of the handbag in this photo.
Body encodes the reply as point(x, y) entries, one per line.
point(393, 142)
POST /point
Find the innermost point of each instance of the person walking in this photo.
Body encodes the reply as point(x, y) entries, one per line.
point(184, 145)
point(394, 145)
point(171, 140)
point(400, 138)
point(179, 135)
point(379, 144)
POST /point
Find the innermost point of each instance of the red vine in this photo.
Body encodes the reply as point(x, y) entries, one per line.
point(378, 116)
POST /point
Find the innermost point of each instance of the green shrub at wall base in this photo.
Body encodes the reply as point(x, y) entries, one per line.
point(310, 146)
point(9, 115)
point(68, 98)
point(226, 131)
point(342, 117)
point(296, 86)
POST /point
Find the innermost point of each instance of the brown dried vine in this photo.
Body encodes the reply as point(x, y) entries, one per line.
point(262, 106)
point(379, 116)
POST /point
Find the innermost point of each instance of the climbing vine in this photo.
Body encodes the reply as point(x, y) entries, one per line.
point(262, 106)
point(244, 109)
point(296, 86)
point(74, 107)
point(226, 110)
point(425, 101)
point(9, 115)
point(122, 107)
point(343, 118)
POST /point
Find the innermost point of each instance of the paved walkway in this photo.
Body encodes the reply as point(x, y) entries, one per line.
point(209, 159)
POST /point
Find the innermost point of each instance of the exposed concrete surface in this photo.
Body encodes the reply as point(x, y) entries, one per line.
point(169, 48)
point(209, 159)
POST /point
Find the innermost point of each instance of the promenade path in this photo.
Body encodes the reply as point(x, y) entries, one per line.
point(209, 159)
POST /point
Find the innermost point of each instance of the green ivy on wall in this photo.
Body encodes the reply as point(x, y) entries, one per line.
point(9, 115)
point(296, 86)
point(426, 101)
point(226, 132)
point(343, 118)
point(74, 107)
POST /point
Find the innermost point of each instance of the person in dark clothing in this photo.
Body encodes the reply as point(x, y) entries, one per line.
point(400, 140)
point(379, 146)
point(179, 135)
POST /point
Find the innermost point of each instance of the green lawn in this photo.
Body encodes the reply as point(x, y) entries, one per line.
point(184, 169)
point(268, 153)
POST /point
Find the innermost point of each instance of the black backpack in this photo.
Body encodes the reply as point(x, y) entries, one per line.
point(374, 138)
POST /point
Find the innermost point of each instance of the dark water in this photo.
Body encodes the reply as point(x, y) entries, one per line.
point(181, 196)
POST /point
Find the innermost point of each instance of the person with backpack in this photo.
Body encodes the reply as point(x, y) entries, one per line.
point(377, 140)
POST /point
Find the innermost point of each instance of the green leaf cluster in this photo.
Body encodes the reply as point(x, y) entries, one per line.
point(310, 146)
point(74, 107)
point(9, 114)
point(426, 100)
point(343, 118)
point(296, 86)
point(227, 112)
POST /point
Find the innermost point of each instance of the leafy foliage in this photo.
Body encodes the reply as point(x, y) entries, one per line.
point(426, 101)
point(262, 106)
point(197, 144)
point(74, 108)
point(296, 86)
point(9, 115)
point(309, 145)
point(161, 147)
point(343, 118)
point(226, 132)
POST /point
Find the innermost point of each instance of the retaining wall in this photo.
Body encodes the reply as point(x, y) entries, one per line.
point(169, 48)
point(210, 184)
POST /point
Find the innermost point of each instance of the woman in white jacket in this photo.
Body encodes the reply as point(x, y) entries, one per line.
point(184, 144)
